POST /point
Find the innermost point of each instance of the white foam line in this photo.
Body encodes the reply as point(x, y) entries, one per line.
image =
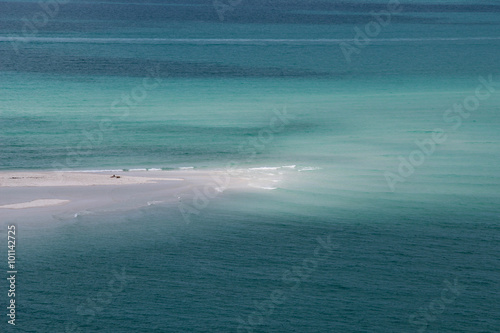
point(225, 40)
point(150, 203)
point(264, 168)
point(262, 187)
point(91, 171)
point(309, 169)
point(109, 170)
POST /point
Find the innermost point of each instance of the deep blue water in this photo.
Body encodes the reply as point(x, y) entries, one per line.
point(421, 258)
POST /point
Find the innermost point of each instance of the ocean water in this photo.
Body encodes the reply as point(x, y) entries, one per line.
point(356, 219)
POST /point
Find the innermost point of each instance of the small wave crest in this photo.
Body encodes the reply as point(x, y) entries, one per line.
point(82, 213)
point(264, 168)
point(309, 169)
point(263, 187)
point(151, 203)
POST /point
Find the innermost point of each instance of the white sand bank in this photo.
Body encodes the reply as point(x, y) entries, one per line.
point(25, 179)
point(36, 204)
point(34, 197)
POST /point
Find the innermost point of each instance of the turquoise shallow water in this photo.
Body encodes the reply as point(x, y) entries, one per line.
point(126, 102)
